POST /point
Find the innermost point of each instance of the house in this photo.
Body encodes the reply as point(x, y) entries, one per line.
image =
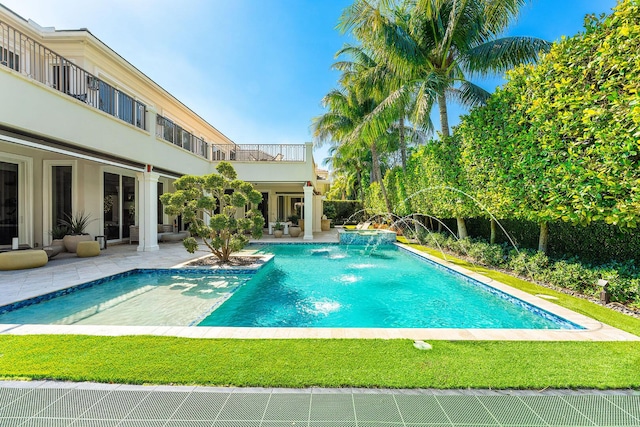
point(83, 130)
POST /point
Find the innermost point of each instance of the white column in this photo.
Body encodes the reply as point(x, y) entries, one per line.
point(148, 206)
point(317, 212)
point(308, 212)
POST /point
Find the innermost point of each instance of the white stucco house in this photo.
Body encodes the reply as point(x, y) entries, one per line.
point(83, 130)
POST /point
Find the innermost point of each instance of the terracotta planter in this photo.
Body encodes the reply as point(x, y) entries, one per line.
point(278, 233)
point(294, 231)
point(71, 241)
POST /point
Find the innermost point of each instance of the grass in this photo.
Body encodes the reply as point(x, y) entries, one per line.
point(337, 363)
point(322, 363)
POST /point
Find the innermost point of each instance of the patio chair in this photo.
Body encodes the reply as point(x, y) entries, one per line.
point(363, 226)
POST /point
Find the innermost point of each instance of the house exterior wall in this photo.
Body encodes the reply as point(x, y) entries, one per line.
point(42, 125)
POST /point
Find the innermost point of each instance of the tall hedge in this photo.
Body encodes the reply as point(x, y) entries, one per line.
point(558, 146)
point(560, 141)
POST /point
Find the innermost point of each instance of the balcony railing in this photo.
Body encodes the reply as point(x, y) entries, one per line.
point(169, 131)
point(269, 152)
point(28, 57)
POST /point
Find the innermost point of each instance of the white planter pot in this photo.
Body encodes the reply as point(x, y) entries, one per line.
point(294, 231)
point(71, 241)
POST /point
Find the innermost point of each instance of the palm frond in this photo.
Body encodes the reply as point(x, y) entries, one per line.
point(469, 94)
point(499, 55)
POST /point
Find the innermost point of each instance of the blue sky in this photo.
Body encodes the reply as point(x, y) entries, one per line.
point(255, 69)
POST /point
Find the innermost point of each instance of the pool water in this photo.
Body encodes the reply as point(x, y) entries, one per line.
point(357, 286)
point(309, 285)
point(144, 298)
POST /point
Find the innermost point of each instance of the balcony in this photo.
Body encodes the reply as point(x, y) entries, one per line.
point(169, 131)
point(269, 152)
point(24, 55)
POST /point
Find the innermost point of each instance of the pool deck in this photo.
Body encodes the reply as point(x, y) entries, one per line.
point(68, 270)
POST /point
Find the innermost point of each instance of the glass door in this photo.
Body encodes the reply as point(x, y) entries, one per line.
point(8, 202)
point(112, 205)
point(61, 192)
point(119, 205)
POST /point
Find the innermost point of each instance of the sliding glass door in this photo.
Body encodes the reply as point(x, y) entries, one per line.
point(9, 202)
point(119, 205)
point(61, 193)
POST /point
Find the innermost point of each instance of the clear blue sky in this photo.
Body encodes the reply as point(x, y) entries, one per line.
point(254, 69)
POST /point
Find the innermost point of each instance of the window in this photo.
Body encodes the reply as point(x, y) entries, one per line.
point(61, 185)
point(61, 77)
point(9, 59)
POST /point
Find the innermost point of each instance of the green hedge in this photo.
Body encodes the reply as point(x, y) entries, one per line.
point(623, 277)
point(597, 243)
point(343, 210)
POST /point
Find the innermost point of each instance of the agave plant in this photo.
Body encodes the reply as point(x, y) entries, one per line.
point(58, 232)
point(76, 224)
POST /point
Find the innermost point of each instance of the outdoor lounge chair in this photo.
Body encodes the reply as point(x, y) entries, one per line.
point(363, 226)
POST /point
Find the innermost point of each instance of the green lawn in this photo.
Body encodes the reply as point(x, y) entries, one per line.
point(324, 363)
point(336, 363)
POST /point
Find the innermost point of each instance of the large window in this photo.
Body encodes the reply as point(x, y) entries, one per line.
point(8, 202)
point(119, 204)
point(160, 205)
point(62, 78)
point(9, 59)
point(61, 185)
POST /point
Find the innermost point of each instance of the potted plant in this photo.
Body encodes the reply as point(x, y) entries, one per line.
point(278, 229)
point(294, 229)
point(57, 234)
point(76, 230)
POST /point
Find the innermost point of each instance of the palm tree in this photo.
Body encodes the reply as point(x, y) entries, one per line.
point(346, 110)
point(435, 45)
point(349, 109)
point(348, 169)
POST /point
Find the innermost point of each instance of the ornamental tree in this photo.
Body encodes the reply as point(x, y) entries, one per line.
point(213, 206)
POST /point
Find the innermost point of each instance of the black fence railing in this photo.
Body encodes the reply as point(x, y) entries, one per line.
point(169, 131)
point(30, 58)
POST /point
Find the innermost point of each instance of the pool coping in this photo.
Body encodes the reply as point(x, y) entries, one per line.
point(594, 330)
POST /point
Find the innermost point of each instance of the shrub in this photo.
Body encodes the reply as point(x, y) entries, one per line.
point(343, 210)
point(197, 197)
point(623, 277)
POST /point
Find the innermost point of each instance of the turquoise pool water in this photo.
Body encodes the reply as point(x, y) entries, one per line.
point(141, 298)
point(353, 286)
point(342, 286)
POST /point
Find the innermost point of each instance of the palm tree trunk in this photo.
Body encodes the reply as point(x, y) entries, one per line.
point(444, 128)
point(403, 145)
point(444, 116)
point(378, 173)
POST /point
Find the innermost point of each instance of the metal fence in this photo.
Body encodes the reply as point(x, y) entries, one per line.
point(28, 57)
point(169, 131)
point(270, 152)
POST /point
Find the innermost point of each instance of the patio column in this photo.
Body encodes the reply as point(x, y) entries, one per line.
point(148, 206)
point(308, 212)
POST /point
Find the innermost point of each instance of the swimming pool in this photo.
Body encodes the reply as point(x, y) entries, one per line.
point(341, 286)
point(334, 286)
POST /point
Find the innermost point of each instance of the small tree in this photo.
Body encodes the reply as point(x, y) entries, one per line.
point(197, 196)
